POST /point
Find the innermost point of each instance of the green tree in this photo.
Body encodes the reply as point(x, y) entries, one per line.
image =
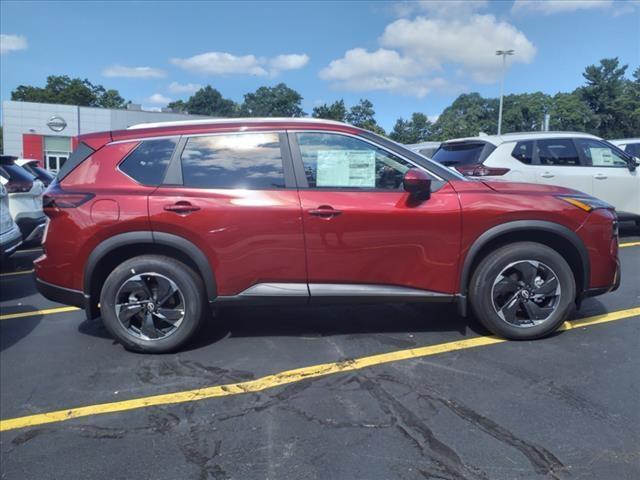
point(335, 111)
point(178, 106)
point(362, 115)
point(69, 91)
point(467, 116)
point(209, 101)
point(570, 113)
point(278, 101)
point(631, 103)
point(415, 130)
point(604, 95)
point(525, 112)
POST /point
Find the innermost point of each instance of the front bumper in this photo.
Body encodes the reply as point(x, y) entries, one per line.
point(594, 292)
point(58, 294)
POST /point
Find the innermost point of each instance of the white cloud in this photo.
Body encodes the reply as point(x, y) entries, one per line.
point(550, 7)
point(158, 98)
point(290, 61)
point(175, 87)
point(470, 44)
point(12, 43)
point(133, 72)
point(417, 54)
point(222, 63)
point(361, 71)
point(440, 8)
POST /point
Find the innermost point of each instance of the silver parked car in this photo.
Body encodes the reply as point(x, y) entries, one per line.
point(10, 236)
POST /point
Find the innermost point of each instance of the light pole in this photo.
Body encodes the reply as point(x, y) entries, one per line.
point(503, 54)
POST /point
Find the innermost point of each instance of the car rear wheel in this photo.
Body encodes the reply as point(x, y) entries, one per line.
point(152, 303)
point(522, 291)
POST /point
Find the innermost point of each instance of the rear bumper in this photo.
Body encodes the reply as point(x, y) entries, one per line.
point(10, 246)
point(32, 229)
point(63, 295)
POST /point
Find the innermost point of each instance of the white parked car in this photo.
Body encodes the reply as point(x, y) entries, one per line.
point(25, 200)
point(576, 160)
point(10, 236)
point(33, 167)
point(629, 145)
point(426, 149)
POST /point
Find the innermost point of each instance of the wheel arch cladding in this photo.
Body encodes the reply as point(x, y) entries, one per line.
point(115, 250)
point(553, 235)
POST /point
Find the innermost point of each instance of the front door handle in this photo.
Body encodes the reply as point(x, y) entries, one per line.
point(324, 211)
point(600, 176)
point(181, 208)
point(547, 175)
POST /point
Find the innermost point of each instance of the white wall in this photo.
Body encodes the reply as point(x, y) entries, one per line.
point(28, 117)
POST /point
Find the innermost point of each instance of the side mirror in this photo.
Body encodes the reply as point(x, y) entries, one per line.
point(417, 183)
point(633, 164)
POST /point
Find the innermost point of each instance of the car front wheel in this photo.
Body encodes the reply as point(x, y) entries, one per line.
point(522, 291)
point(152, 303)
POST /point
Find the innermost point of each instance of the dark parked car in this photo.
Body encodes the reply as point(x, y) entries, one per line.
point(150, 226)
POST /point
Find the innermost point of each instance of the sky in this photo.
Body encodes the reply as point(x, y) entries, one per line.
point(403, 56)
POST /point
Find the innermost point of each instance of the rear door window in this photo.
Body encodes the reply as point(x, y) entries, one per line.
point(558, 152)
point(250, 161)
point(523, 152)
point(148, 162)
point(456, 154)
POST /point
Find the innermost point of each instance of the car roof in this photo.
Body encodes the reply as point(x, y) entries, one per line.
point(236, 121)
point(24, 161)
point(518, 136)
point(624, 141)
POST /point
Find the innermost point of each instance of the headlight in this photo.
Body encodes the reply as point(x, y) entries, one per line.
point(585, 202)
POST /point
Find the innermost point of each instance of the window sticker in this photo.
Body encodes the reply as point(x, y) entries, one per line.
point(346, 168)
point(601, 156)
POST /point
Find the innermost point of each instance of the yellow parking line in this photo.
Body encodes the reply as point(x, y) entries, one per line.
point(629, 244)
point(284, 378)
point(30, 250)
point(21, 272)
point(32, 313)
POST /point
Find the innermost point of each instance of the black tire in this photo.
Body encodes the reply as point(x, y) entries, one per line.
point(189, 303)
point(508, 267)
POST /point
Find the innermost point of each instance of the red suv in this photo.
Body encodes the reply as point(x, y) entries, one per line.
point(150, 226)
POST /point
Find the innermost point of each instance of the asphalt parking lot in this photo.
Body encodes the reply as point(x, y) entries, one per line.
point(392, 391)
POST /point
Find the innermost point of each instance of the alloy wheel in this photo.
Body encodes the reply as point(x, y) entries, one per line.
point(150, 306)
point(526, 293)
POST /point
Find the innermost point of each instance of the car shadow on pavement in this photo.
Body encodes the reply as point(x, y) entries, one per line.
point(14, 330)
point(333, 320)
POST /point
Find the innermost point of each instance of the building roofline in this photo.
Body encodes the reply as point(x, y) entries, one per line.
point(218, 121)
point(100, 108)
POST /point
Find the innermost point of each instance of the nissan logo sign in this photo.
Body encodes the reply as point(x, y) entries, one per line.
point(57, 124)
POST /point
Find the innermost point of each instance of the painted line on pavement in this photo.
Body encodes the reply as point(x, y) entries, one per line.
point(19, 272)
point(286, 377)
point(31, 313)
point(629, 244)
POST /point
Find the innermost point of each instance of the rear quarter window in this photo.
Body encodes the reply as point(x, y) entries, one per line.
point(467, 153)
point(79, 155)
point(148, 163)
point(523, 152)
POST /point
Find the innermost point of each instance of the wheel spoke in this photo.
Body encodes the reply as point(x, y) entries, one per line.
point(508, 311)
point(172, 289)
point(128, 311)
point(148, 327)
point(169, 315)
point(528, 270)
point(536, 312)
point(505, 286)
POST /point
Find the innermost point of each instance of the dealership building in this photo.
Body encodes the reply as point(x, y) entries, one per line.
point(49, 132)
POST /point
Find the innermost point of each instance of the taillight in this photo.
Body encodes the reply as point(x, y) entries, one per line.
point(18, 187)
point(56, 197)
point(481, 170)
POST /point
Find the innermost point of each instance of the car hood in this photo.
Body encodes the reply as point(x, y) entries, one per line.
point(530, 188)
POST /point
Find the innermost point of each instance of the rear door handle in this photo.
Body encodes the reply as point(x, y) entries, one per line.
point(600, 176)
point(324, 211)
point(547, 175)
point(181, 208)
